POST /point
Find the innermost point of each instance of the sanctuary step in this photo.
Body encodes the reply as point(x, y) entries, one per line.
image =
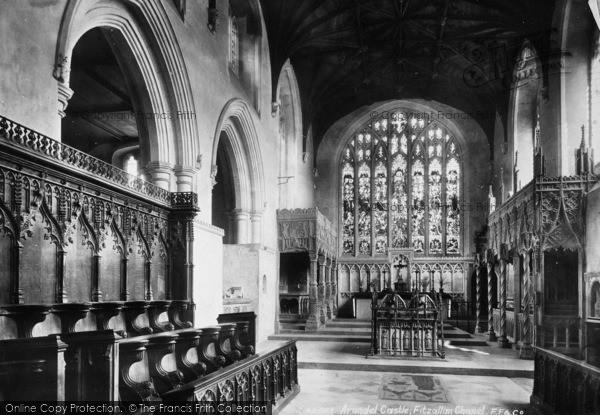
point(359, 331)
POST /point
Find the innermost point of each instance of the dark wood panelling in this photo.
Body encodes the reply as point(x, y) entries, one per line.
point(37, 267)
point(78, 267)
point(6, 244)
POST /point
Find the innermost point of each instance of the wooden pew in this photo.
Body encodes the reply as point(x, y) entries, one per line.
point(132, 311)
point(186, 354)
point(155, 309)
point(32, 369)
point(224, 344)
point(257, 384)
point(176, 314)
point(135, 385)
point(92, 366)
point(207, 352)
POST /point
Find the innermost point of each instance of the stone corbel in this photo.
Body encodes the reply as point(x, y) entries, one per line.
point(64, 95)
point(213, 174)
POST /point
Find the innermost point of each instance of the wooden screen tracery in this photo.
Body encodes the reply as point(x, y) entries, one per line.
point(401, 183)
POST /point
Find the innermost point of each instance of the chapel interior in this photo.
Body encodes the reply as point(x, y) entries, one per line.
point(234, 202)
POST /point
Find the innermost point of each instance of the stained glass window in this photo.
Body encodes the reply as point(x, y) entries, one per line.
point(401, 187)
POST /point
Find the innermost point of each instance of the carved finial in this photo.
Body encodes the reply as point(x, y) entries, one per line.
point(582, 145)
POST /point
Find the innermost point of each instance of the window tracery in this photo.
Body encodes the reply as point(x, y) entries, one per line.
point(401, 186)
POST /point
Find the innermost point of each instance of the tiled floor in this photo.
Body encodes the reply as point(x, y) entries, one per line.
point(355, 392)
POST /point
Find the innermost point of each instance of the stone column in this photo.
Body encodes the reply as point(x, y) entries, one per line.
point(241, 226)
point(501, 268)
point(491, 334)
point(526, 351)
point(255, 221)
point(313, 322)
point(185, 178)
point(328, 296)
point(321, 290)
point(478, 294)
point(160, 174)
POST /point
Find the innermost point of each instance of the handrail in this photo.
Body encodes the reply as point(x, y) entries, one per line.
point(25, 140)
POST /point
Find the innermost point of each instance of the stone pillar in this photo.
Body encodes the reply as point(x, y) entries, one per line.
point(328, 287)
point(313, 322)
point(491, 334)
point(230, 236)
point(501, 268)
point(185, 178)
point(526, 351)
point(160, 174)
point(241, 226)
point(255, 221)
point(478, 295)
point(321, 289)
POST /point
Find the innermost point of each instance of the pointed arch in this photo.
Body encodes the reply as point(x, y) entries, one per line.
point(144, 26)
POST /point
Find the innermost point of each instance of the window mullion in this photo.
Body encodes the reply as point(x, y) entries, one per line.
point(426, 195)
point(372, 196)
point(356, 190)
point(444, 197)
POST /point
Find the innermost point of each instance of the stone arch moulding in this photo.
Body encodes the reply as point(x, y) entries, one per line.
point(148, 32)
point(291, 143)
point(288, 78)
point(237, 122)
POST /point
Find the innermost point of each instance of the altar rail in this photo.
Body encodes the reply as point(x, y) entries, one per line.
point(259, 382)
point(565, 386)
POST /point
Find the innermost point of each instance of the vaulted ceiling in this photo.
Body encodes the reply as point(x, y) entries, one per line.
point(351, 53)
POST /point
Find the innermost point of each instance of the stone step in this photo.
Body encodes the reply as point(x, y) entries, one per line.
point(318, 337)
point(467, 342)
point(329, 332)
point(372, 366)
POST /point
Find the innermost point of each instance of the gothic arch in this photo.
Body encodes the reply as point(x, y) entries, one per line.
point(236, 126)
point(290, 131)
point(146, 30)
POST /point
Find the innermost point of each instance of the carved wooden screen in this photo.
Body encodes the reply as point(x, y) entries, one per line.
point(401, 181)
